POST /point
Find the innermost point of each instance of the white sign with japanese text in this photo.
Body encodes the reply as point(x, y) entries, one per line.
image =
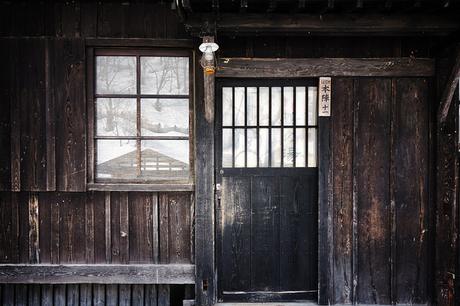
point(324, 97)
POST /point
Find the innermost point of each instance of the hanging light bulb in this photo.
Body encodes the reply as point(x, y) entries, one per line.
point(208, 61)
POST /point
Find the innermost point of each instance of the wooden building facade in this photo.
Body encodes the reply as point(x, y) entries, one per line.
point(358, 207)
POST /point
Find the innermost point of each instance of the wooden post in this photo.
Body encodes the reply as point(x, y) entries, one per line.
point(204, 191)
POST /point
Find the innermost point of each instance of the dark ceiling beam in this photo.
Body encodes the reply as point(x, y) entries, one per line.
point(328, 24)
point(449, 89)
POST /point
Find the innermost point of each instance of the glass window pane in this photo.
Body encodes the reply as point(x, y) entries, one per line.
point(263, 148)
point(239, 148)
point(239, 106)
point(116, 159)
point(165, 159)
point(115, 74)
point(288, 147)
point(165, 75)
point(300, 106)
point(288, 105)
point(227, 107)
point(276, 147)
point(263, 105)
point(252, 148)
point(312, 105)
point(276, 106)
point(227, 147)
point(115, 117)
point(252, 106)
point(164, 117)
point(300, 147)
point(312, 147)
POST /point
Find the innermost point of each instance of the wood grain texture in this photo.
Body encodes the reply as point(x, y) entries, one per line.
point(372, 107)
point(97, 274)
point(69, 93)
point(317, 67)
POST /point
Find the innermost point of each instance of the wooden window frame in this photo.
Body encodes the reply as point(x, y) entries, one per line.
point(154, 185)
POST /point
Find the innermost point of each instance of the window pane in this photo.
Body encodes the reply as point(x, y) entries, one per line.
point(300, 106)
point(276, 106)
point(288, 147)
point(165, 75)
point(276, 148)
point(227, 107)
point(239, 106)
point(263, 148)
point(288, 105)
point(239, 148)
point(312, 147)
point(115, 75)
point(312, 105)
point(252, 106)
point(116, 117)
point(165, 159)
point(227, 148)
point(116, 159)
point(300, 147)
point(252, 148)
point(164, 117)
point(263, 106)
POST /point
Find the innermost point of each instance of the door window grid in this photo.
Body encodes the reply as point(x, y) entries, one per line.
point(269, 126)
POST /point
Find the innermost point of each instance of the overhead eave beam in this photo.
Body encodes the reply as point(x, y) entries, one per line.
point(329, 24)
point(449, 89)
point(316, 67)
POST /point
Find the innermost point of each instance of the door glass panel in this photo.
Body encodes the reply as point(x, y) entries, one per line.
point(252, 148)
point(252, 106)
point(312, 147)
point(288, 105)
point(312, 105)
point(239, 148)
point(288, 147)
point(300, 147)
point(227, 148)
point(276, 105)
point(263, 105)
point(227, 106)
point(115, 75)
point(276, 147)
point(116, 117)
point(164, 75)
point(300, 106)
point(263, 147)
point(240, 108)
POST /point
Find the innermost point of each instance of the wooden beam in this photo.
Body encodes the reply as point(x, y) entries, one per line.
point(205, 288)
point(448, 92)
point(139, 42)
point(329, 24)
point(140, 187)
point(316, 67)
point(97, 274)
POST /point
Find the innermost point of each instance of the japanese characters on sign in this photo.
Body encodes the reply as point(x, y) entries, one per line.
point(324, 97)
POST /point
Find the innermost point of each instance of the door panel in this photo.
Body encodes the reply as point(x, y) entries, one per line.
point(267, 204)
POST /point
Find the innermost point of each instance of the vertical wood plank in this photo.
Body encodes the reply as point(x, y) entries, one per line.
point(20, 294)
point(23, 227)
point(264, 209)
point(34, 295)
point(204, 190)
point(86, 295)
point(111, 294)
point(151, 295)
point(137, 293)
point(164, 293)
point(5, 116)
point(89, 227)
point(73, 295)
point(71, 123)
point(15, 114)
point(55, 228)
point(140, 228)
point(99, 210)
point(124, 292)
point(98, 295)
point(155, 228)
point(411, 155)
point(115, 200)
point(60, 295)
point(164, 227)
point(34, 235)
point(8, 294)
point(179, 225)
point(50, 118)
point(372, 159)
point(124, 228)
point(88, 19)
point(47, 295)
point(8, 238)
point(108, 227)
point(342, 165)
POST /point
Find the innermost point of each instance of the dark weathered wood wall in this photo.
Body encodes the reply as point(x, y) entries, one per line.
point(43, 162)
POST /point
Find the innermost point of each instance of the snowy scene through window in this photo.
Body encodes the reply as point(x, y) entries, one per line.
point(141, 117)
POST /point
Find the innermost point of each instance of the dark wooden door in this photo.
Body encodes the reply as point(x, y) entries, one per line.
point(267, 189)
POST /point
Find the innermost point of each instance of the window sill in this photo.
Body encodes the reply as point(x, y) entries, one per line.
point(139, 187)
